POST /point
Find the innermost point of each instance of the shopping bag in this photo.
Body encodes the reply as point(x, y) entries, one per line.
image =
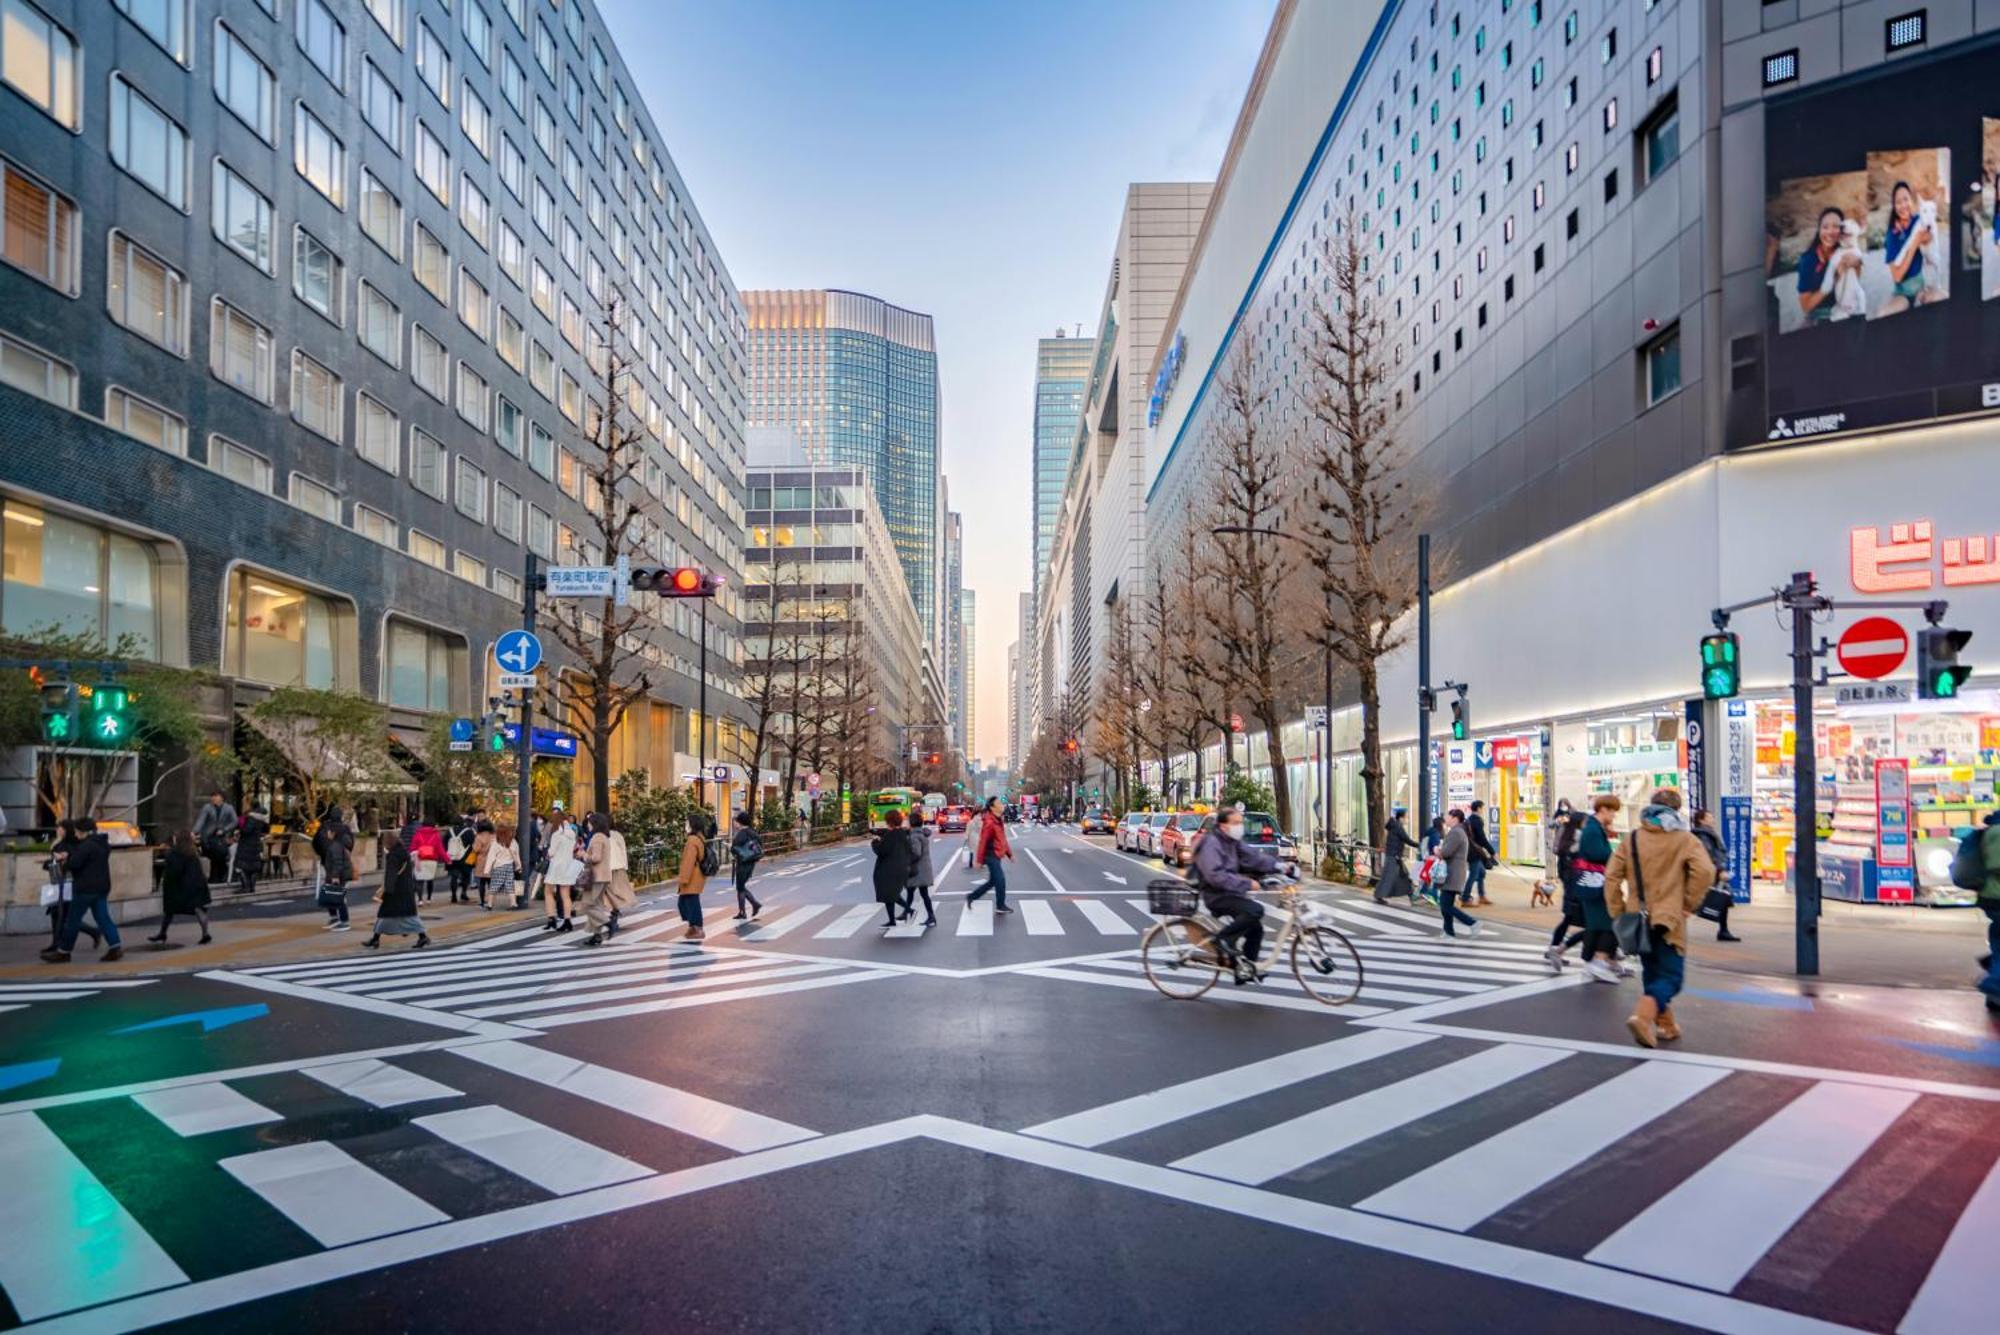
point(1714, 904)
point(55, 894)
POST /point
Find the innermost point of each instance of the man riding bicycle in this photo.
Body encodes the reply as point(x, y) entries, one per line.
point(1220, 863)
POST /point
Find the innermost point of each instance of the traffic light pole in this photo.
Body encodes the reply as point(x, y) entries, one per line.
point(701, 716)
point(1425, 698)
point(524, 789)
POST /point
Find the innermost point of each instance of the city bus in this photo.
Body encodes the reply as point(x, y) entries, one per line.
point(933, 803)
point(886, 800)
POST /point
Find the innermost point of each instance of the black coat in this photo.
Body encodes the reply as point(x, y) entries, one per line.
point(399, 886)
point(183, 882)
point(894, 858)
point(89, 867)
point(335, 845)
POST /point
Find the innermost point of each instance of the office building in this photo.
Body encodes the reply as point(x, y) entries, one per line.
point(1062, 373)
point(968, 619)
point(953, 659)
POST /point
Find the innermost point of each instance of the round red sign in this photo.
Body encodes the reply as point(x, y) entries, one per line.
point(1873, 647)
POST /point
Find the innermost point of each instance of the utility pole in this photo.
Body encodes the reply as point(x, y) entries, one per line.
point(701, 715)
point(1424, 696)
point(524, 791)
point(1802, 598)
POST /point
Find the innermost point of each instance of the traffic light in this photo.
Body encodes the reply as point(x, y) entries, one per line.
point(1721, 675)
point(59, 714)
point(1461, 717)
point(933, 758)
point(1939, 673)
point(674, 581)
point(110, 725)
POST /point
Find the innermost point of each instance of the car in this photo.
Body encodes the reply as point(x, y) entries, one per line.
point(1012, 815)
point(1260, 830)
point(1095, 821)
point(1146, 839)
point(953, 820)
point(1176, 841)
point(1127, 827)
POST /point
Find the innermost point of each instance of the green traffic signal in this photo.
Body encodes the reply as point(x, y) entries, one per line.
point(1939, 673)
point(59, 727)
point(1721, 676)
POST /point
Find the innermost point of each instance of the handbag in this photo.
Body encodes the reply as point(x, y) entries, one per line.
point(1714, 904)
point(1633, 930)
point(55, 893)
point(426, 869)
point(331, 894)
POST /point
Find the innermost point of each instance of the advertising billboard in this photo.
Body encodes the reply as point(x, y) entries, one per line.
point(1882, 250)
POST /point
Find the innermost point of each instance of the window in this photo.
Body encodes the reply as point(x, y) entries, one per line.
point(542, 369)
point(541, 533)
point(381, 216)
point(472, 395)
point(431, 263)
point(507, 586)
point(323, 39)
point(145, 420)
point(1610, 185)
point(76, 577)
point(316, 396)
point(507, 424)
point(513, 169)
point(244, 84)
point(474, 120)
point(542, 289)
point(1903, 31)
point(318, 156)
point(315, 498)
point(1571, 224)
point(468, 485)
point(1540, 258)
point(144, 141)
point(146, 295)
point(478, 30)
point(317, 274)
point(239, 351)
point(1607, 50)
point(511, 340)
point(541, 451)
point(474, 306)
point(542, 204)
point(427, 460)
point(571, 323)
point(1659, 140)
point(278, 633)
point(474, 212)
point(241, 217)
point(512, 254)
point(165, 21)
point(39, 61)
point(569, 399)
point(1572, 156)
point(427, 549)
point(433, 63)
point(38, 230)
point(388, 15)
point(433, 164)
point(545, 50)
point(379, 323)
point(1611, 115)
point(544, 124)
point(377, 434)
point(1662, 359)
point(381, 105)
point(375, 526)
point(513, 82)
point(420, 666)
point(243, 466)
point(1656, 64)
point(430, 368)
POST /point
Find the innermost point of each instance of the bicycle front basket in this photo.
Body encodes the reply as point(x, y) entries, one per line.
point(1167, 897)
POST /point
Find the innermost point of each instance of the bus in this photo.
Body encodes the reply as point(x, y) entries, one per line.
point(886, 800)
point(933, 803)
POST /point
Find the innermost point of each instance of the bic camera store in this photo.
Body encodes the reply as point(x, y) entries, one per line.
point(1582, 657)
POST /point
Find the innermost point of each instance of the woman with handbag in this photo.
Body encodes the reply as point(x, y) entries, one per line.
point(692, 881)
point(397, 915)
point(334, 842)
point(610, 881)
point(427, 858)
point(1717, 903)
point(1667, 872)
point(502, 867)
point(1593, 854)
point(183, 887)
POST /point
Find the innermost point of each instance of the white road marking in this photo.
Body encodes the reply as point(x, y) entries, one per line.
point(1962, 1291)
point(1109, 877)
point(848, 923)
point(1104, 918)
point(69, 1241)
point(1144, 1112)
point(441, 1019)
point(532, 1006)
point(1039, 917)
point(976, 918)
point(194, 1110)
point(1222, 991)
point(379, 1084)
point(330, 1194)
point(666, 967)
point(770, 929)
point(1481, 1180)
point(712, 998)
point(1043, 868)
point(541, 970)
point(1284, 982)
point(43, 994)
point(1291, 1145)
point(903, 930)
point(1384, 928)
point(551, 1159)
point(1712, 1228)
point(722, 1124)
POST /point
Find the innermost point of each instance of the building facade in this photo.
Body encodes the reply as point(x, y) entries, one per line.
point(855, 380)
point(968, 619)
point(954, 660)
point(301, 310)
point(1062, 374)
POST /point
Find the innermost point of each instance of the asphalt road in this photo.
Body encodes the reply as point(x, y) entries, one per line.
point(811, 1123)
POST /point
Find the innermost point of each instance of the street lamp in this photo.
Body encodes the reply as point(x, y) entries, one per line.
point(1326, 773)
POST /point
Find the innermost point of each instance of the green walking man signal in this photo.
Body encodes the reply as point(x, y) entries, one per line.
point(1939, 673)
point(1721, 672)
point(1461, 715)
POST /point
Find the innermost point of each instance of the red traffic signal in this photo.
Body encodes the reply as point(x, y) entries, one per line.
point(674, 581)
point(934, 758)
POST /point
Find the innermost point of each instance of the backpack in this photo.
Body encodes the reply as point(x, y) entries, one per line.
point(711, 858)
point(455, 850)
point(1968, 865)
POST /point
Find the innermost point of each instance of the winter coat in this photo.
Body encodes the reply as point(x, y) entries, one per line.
point(920, 856)
point(183, 882)
point(427, 844)
point(609, 875)
point(565, 867)
point(691, 881)
point(214, 821)
point(89, 867)
point(1677, 873)
point(1396, 841)
point(1711, 844)
point(399, 885)
point(1220, 864)
point(1482, 847)
point(895, 857)
point(335, 845)
point(992, 839)
point(1989, 853)
point(1455, 850)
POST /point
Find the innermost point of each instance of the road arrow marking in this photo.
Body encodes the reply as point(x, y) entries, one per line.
point(28, 1072)
point(1109, 877)
point(210, 1021)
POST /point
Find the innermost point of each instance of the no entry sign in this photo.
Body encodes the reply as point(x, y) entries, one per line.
point(1873, 647)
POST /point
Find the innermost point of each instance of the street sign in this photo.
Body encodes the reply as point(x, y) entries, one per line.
point(542, 741)
point(622, 581)
point(720, 774)
point(518, 652)
point(1315, 716)
point(581, 581)
point(463, 730)
point(1873, 647)
point(1874, 693)
point(516, 681)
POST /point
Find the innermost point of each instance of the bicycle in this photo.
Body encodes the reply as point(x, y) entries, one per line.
point(1182, 961)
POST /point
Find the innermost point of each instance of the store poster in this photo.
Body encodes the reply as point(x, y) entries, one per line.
point(1737, 840)
point(1459, 775)
point(1895, 863)
point(1739, 739)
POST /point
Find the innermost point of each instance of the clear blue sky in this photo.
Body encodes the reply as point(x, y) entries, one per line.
point(967, 158)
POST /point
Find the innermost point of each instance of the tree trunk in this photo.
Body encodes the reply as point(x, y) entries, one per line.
point(1274, 747)
point(600, 764)
point(1371, 755)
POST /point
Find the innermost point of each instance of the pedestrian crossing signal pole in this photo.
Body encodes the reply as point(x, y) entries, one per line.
point(1426, 698)
point(524, 784)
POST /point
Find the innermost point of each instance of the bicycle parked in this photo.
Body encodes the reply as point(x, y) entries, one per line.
point(1183, 960)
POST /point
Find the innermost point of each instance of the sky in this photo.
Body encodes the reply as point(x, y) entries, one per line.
point(964, 158)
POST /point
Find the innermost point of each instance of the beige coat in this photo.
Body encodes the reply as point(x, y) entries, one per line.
point(609, 879)
point(692, 882)
point(1677, 872)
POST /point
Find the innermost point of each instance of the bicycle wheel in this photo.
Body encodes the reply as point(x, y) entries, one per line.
point(1178, 958)
point(1326, 965)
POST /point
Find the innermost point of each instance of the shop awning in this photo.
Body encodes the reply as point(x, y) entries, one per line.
point(361, 767)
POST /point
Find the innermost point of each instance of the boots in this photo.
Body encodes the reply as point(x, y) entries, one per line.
point(1641, 1021)
point(1667, 1027)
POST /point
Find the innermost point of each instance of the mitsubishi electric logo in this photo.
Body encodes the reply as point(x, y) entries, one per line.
point(1989, 395)
point(1807, 426)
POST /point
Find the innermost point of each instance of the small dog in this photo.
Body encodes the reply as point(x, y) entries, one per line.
point(1848, 298)
point(1544, 896)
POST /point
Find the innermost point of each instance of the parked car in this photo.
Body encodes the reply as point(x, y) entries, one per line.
point(1096, 820)
point(1177, 840)
point(952, 820)
point(1260, 829)
point(1127, 829)
point(1146, 839)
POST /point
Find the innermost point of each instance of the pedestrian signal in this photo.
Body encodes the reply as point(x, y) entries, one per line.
point(1721, 674)
point(1461, 717)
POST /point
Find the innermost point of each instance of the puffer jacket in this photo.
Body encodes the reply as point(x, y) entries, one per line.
point(1676, 870)
point(1220, 864)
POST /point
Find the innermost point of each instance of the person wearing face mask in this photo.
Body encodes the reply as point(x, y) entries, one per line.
point(1223, 867)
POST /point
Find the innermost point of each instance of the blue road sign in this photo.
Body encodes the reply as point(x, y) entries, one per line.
point(462, 730)
point(518, 651)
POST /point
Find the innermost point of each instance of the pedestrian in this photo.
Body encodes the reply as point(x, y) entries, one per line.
point(1563, 863)
point(1705, 829)
point(921, 875)
point(1434, 835)
point(1484, 855)
point(61, 907)
point(87, 866)
point(183, 887)
point(333, 844)
point(1455, 851)
point(250, 836)
point(502, 867)
point(1989, 904)
point(1661, 871)
point(1221, 862)
point(396, 912)
point(692, 880)
point(895, 857)
point(1395, 877)
point(460, 854)
point(1592, 855)
point(1552, 831)
point(990, 849)
point(213, 826)
point(746, 848)
point(482, 850)
point(427, 857)
point(610, 881)
point(564, 870)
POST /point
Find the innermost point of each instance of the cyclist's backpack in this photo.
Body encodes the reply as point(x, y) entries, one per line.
point(1968, 865)
point(711, 858)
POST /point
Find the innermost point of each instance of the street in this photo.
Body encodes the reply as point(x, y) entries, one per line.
point(808, 1123)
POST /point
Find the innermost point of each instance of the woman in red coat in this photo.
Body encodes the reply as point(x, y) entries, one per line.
point(990, 849)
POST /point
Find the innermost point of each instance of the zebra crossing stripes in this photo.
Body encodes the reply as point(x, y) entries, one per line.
point(332, 1196)
point(18, 996)
point(553, 1160)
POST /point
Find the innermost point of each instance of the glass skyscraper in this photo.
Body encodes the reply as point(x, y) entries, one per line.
point(855, 380)
point(1062, 373)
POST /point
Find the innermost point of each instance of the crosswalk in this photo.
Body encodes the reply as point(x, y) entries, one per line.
point(19, 996)
point(1728, 1181)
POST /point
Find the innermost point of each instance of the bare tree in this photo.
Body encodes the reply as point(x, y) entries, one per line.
point(1367, 510)
point(1200, 676)
point(777, 631)
point(1117, 718)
